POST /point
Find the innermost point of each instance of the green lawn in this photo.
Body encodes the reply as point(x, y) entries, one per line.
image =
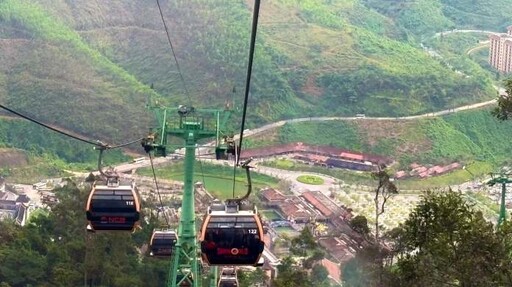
point(310, 179)
point(217, 179)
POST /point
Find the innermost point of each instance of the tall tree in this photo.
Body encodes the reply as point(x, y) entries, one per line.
point(504, 109)
point(384, 190)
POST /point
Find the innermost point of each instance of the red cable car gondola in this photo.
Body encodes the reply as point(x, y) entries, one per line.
point(162, 243)
point(113, 205)
point(231, 235)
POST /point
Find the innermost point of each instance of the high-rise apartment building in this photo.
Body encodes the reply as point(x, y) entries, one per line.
point(500, 51)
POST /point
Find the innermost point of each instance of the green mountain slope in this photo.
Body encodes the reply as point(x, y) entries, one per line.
point(423, 18)
point(50, 72)
point(88, 66)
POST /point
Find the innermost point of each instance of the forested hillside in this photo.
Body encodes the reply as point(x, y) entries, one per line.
point(90, 66)
point(54, 250)
point(421, 18)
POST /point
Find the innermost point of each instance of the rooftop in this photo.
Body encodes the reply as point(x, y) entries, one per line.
point(333, 269)
point(271, 194)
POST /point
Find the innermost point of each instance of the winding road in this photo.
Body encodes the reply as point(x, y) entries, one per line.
point(463, 31)
point(406, 118)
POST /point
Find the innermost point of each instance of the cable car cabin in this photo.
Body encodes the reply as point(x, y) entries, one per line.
point(162, 243)
point(232, 238)
point(113, 206)
point(228, 277)
point(228, 281)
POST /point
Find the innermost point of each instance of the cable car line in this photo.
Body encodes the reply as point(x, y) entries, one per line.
point(236, 163)
point(163, 241)
point(173, 53)
point(202, 172)
point(256, 13)
point(158, 190)
point(124, 144)
point(254, 31)
point(98, 144)
point(49, 127)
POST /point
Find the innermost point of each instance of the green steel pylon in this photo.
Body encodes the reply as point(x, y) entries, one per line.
point(503, 181)
point(191, 128)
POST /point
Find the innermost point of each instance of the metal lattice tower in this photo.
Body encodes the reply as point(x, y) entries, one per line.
point(503, 181)
point(184, 269)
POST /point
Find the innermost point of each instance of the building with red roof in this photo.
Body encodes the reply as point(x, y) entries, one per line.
point(322, 151)
point(271, 197)
point(312, 198)
point(296, 212)
point(334, 271)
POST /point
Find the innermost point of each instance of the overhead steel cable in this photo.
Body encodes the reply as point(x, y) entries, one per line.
point(51, 128)
point(172, 50)
point(255, 17)
point(98, 144)
point(125, 144)
point(254, 30)
point(158, 190)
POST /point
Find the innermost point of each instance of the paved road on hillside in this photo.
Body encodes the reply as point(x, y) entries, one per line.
point(366, 118)
point(463, 31)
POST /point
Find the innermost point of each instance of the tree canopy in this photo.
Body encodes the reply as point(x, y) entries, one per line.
point(444, 242)
point(53, 249)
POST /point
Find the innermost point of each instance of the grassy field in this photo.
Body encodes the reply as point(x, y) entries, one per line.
point(310, 179)
point(218, 180)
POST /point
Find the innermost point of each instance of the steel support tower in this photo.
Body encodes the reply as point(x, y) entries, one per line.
point(503, 181)
point(191, 128)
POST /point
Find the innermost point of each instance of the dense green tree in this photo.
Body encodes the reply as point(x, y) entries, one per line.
point(360, 224)
point(367, 268)
point(53, 249)
point(291, 276)
point(22, 266)
point(446, 243)
point(319, 275)
point(304, 242)
point(504, 109)
point(354, 275)
point(252, 278)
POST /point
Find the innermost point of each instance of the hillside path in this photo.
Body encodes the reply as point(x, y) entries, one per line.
point(355, 118)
